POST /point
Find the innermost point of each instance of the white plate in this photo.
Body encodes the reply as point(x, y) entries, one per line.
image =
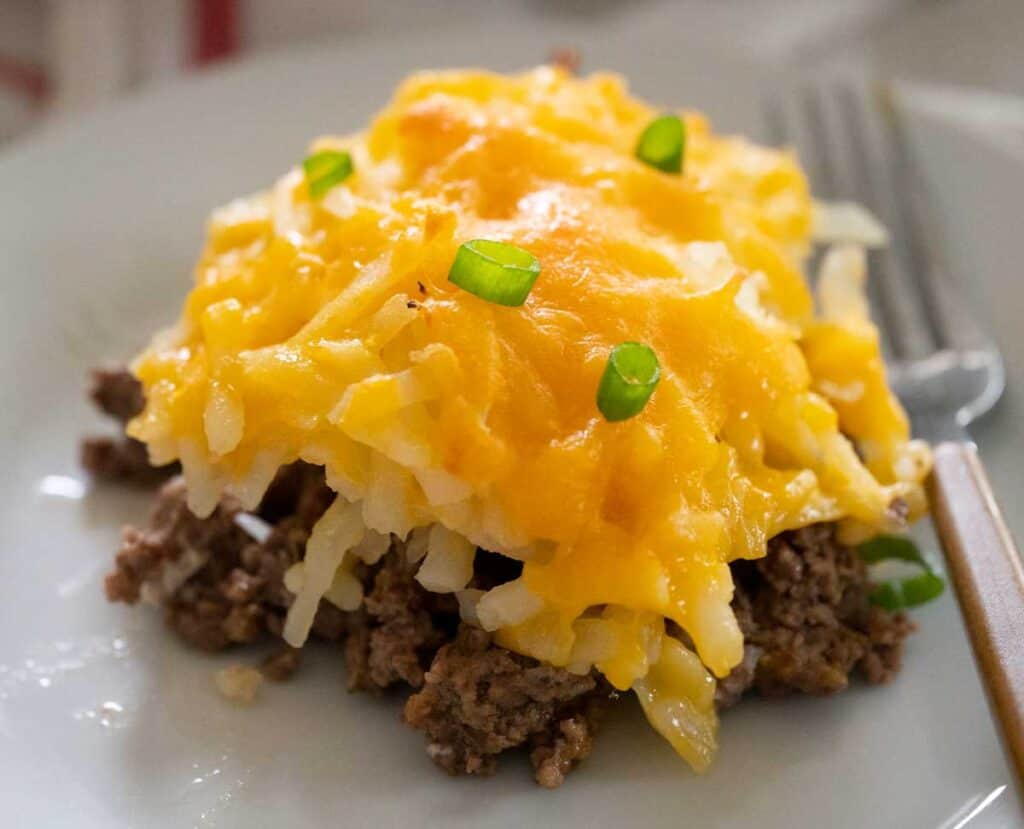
point(105, 720)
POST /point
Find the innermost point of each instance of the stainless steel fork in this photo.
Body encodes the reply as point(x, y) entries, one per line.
point(945, 369)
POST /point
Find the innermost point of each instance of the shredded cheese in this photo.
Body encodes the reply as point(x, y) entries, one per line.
point(326, 330)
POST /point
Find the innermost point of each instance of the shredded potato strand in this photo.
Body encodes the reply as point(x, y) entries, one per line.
point(337, 531)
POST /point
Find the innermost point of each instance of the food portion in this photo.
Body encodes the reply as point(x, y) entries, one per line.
point(522, 393)
point(804, 609)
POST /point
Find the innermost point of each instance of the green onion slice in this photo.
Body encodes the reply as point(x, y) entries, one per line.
point(496, 271)
point(662, 143)
point(910, 592)
point(900, 593)
point(326, 169)
point(629, 380)
point(890, 547)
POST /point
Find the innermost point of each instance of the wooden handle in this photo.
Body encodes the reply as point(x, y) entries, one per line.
point(988, 575)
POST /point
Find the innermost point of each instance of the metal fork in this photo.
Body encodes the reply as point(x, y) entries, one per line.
point(945, 369)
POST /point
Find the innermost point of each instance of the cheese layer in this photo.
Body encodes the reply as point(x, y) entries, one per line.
point(326, 330)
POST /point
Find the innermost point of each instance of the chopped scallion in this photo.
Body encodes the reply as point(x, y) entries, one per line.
point(910, 592)
point(901, 593)
point(662, 143)
point(496, 271)
point(888, 595)
point(325, 170)
point(891, 547)
point(629, 380)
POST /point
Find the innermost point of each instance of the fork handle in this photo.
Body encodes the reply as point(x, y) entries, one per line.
point(986, 570)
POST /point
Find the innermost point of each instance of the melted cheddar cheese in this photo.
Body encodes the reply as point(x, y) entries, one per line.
point(326, 330)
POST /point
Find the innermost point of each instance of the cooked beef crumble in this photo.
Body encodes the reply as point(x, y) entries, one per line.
point(807, 622)
point(803, 610)
point(568, 739)
point(218, 587)
point(117, 394)
point(479, 700)
point(399, 628)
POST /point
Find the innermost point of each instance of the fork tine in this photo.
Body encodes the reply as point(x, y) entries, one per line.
point(849, 154)
point(784, 129)
point(859, 184)
point(922, 270)
point(789, 126)
point(865, 165)
point(840, 175)
point(953, 316)
point(853, 142)
point(774, 121)
point(825, 177)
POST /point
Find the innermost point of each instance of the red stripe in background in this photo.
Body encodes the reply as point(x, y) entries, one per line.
point(215, 29)
point(24, 78)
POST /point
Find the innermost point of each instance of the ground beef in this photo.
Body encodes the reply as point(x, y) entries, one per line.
point(120, 459)
point(569, 738)
point(479, 700)
point(399, 628)
point(174, 542)
point(217, 585)
point(731, 689)
point(803, 609)
point(117, 394)
point(807, 621)
point(282, 664)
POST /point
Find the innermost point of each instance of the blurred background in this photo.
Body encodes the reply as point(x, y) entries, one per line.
point(61, 58)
